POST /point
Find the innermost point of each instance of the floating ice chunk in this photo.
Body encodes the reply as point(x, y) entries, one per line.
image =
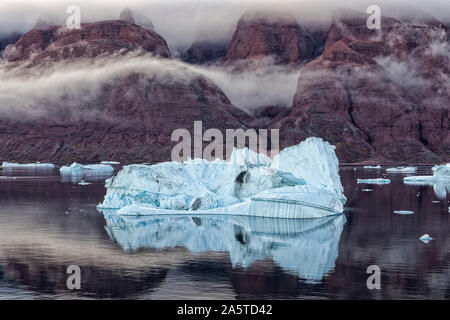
point(440, 173)
point(440, 180)
point(83, 183)
point(403, 212)
point(374, 181)
point(367, 190)
point(426, 238)
point(402, 170)
point(246, 156)
point(76, 168)
point(303, 175)
point(372, 167)
point(28, 165)
point(110, 162)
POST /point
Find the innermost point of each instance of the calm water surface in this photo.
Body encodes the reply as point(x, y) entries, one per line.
point(48, 223)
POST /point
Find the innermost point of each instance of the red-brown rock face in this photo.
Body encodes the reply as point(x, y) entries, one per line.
point(126, 115)
point(92, 40)
point(259, 35)
point(356, 96)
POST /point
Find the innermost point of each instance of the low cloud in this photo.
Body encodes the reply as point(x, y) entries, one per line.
point(181, 22)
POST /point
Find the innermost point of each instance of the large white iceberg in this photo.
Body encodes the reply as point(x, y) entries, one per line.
point(299, 178)
point(307, 248)
point(440, 180)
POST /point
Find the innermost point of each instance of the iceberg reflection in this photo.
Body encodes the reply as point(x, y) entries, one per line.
point(441, 188)
point(307, 248)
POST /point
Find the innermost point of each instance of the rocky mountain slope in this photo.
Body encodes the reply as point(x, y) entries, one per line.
point(381, 95)
point(260, 34)
point(130, 114)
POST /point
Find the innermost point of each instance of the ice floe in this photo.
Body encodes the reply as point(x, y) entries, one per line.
point(374, 181)
point(402, 170)
point(110, 162)
point(76, 168)
point(36, 165)
point(83, 183)
point(403, 212)
point(372, 167)
point(425, 238)
point(367, 190)
point(307, 248)
point(440, 180)
point(76, 172)
point(299, 179)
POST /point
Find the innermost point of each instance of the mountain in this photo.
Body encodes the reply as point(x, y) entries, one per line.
point(262, 34)
point(126, 112)
point(205, 52)
point(380, 95)
point(56, 43)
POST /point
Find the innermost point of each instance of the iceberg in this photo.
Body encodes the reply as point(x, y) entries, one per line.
point(307, 248)
point(76, 172)
point(440, 180)
point(440, 173)
point(76, 168)
point(374, 181)
point(298, 180)
point(403, 212)
point(402, 170)
point(36, 165)
point(372, 167)
point(425, 238)
point(110, 162)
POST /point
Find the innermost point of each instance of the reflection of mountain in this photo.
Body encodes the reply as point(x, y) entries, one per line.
point(305, 247)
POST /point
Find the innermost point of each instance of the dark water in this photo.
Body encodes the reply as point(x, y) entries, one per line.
point(47, 225)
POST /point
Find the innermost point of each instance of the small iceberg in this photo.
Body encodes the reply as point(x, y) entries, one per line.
point(37, 165)
point(402, 170)
point(440, 180)
point(372, 167)
point(374, 181)
point(110, 162)
point(425, 238)
point(403, 212)
point(76, 168)
point(300, 182)
point(440, 173)
point(76, 172)
point(366, 190)
point(84, 183)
